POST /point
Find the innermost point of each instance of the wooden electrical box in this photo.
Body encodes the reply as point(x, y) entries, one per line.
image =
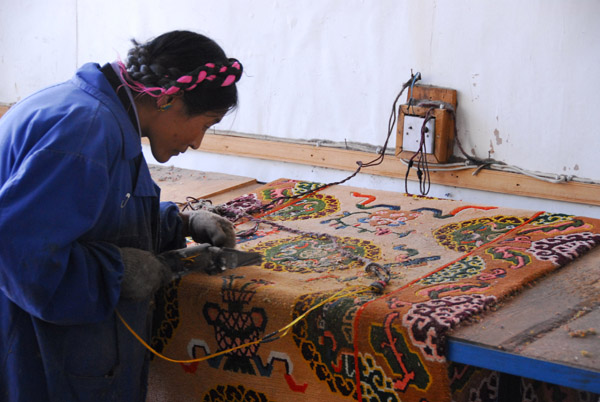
point(442, 102)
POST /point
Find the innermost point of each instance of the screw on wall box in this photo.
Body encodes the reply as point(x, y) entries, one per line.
point(441, 104)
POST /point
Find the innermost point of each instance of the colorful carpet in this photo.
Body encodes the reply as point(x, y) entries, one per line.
point(446, 261)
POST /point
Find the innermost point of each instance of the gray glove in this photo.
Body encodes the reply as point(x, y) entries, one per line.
point(143, 275)
point(208, 227)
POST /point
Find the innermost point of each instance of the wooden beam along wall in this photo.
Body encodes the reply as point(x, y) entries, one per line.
point(335, 158)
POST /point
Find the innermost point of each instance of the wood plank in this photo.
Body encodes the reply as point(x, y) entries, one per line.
point(176, 184)
point(342, 159)
point(575, 343)
point(3, 109)
point(430, 92)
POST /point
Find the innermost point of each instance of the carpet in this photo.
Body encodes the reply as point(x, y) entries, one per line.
point(375, 334)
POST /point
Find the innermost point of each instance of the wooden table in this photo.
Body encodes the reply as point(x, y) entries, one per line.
point(548, 332)
point(176, 184)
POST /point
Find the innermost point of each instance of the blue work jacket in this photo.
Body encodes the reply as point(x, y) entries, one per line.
point(74, 187)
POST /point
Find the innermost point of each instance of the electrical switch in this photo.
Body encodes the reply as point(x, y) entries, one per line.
point(412, 133)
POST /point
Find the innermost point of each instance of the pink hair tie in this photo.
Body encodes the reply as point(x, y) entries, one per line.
point(228, 81)
point(186, 79)
point(171, 90)
point(185, 82)
point(201, 76)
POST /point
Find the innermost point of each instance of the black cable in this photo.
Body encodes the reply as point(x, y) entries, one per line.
point(378, 160)
point(410, 165)
point(420, 157)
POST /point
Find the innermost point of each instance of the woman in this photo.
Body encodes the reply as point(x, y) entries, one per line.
point(80, 218)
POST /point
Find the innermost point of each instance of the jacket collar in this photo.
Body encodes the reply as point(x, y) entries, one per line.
point(91, 80)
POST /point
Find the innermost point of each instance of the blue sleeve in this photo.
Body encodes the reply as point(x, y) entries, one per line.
point(46, 206)
point(171, 231)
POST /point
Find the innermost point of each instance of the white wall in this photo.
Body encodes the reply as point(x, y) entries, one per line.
point(37, 47)
point(527, 72)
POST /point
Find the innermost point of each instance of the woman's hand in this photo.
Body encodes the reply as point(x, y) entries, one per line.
point(208, 227)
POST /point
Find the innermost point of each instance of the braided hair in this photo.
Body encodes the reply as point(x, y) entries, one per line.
point(184, 63)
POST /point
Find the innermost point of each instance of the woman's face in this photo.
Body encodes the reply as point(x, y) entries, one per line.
point(172, 131)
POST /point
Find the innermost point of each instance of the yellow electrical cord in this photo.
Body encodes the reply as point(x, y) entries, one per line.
point(281, 332)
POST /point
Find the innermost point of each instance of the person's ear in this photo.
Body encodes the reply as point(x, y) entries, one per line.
point(164, 103)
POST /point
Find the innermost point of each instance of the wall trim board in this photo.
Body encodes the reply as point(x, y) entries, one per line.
point(341, 159)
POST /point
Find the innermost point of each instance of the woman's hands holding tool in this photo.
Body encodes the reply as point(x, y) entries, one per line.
point(144, 272)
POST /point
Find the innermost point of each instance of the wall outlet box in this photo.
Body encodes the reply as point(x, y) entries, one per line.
point(438, 103)
point(411, 135)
